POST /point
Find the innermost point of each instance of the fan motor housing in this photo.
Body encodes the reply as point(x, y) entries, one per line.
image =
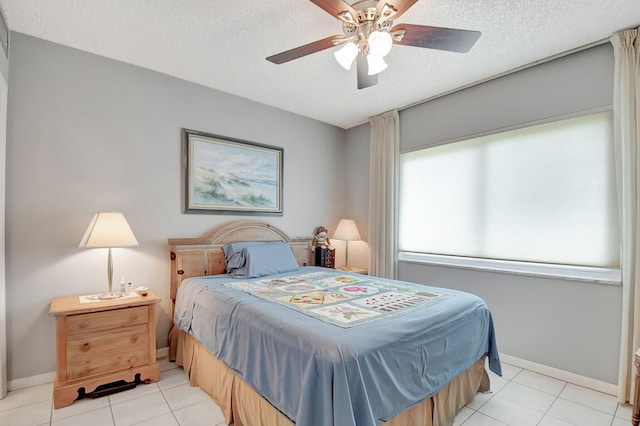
point(367, 10)
point(366, 19)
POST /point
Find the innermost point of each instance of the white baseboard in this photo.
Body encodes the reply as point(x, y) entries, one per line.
point(566, 376)
point(26, 382)
point(41, 379)
point(162, 352)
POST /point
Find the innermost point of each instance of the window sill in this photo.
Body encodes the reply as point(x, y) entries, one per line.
point(563, 272)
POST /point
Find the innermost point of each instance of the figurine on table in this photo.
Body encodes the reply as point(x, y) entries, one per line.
point(321, 239)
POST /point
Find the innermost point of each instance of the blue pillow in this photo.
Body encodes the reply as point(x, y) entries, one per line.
point(265, 259)
point(233, 248)
point(233, 255)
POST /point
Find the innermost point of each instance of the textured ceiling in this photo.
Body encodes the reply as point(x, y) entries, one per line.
point(223, 44)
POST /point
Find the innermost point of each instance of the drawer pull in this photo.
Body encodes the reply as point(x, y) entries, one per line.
point(133, 317)
point(134, 339)
point(85, 324)
point(85, 347)
point(133, 360)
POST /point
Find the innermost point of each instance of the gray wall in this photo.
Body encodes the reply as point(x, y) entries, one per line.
point(574, 83)
point(89, 134)
point(357, 173)
point(572, 326)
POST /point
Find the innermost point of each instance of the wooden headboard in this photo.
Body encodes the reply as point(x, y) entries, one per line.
point(196, 257)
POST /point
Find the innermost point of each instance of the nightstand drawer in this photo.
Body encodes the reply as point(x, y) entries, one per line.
point(108, 320)
point(90, 346)
point(132, 357)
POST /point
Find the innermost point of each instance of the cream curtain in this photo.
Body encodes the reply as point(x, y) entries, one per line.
point(626, 106)
point(383, 194)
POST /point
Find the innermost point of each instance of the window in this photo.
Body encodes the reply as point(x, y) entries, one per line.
point(544, 194)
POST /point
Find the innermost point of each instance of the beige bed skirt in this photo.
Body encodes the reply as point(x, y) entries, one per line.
point(243, 406)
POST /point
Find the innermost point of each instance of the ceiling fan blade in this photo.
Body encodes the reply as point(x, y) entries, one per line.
point(400, 5)
point(440, 38)
point(305, 50)
point(334, 7)
point(364, 79)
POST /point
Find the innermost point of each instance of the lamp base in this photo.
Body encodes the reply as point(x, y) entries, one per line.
point(109, 296)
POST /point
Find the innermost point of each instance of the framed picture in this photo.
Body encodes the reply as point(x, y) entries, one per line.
point(231, 176)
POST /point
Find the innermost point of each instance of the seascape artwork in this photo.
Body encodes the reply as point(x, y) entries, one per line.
point(233, 176)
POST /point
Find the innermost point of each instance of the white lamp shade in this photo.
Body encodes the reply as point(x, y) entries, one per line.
point(375, 64)
point(380, 43)
point(108, 230)
point(347, 231)
point(346, 55)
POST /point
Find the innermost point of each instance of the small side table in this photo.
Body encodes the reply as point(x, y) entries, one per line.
point(101, 342)
point(635, 417)
point(325, 256)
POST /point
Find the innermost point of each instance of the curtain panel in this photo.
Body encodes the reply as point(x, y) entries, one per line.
point(626, 105)
point(383, 194)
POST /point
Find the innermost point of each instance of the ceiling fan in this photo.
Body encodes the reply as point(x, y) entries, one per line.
point(369, 34)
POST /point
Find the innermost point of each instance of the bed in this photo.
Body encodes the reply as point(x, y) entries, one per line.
point(278, 342)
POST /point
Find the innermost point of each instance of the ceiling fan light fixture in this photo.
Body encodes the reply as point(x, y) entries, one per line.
point(346, 55)
point(380, 43)
point(369, 34)
point(375, 64)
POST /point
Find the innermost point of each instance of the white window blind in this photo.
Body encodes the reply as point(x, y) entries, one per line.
point(544, 193)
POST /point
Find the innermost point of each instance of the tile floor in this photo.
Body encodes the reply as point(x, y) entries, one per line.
point(519, 398)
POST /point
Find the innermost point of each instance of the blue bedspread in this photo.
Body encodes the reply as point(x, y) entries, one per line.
point(319, 374)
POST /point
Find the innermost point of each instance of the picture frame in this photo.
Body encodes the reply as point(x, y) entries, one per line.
point(224, 175)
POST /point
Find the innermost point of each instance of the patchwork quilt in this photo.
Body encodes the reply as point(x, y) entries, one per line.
point(341, 300)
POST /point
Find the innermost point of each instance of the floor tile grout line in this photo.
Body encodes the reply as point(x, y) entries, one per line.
point(467, 419)
point(113, 417)
point(493, 418)
point(557, 397)
point(493, 394)
point(169, 405)
point(154, 417)
point(192, 404)
point(512, 380)
point(135, 397)
point(110, 404)
point(174, 386)
point(27, 404)
point(583, 405)
point(80, 414)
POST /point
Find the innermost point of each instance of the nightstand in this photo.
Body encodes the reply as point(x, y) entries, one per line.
point(354, 269)
point(101, 342)
point(325, 256)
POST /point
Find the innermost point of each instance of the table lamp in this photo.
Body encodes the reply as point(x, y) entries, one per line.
point(347, 231)
point(108, 230)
